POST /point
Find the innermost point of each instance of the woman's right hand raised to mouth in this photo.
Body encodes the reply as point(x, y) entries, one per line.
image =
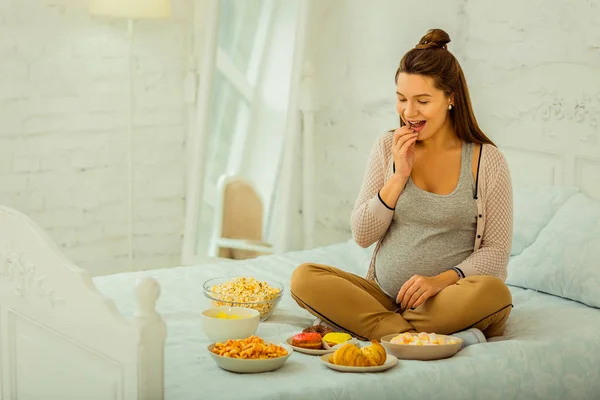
point(403, 150)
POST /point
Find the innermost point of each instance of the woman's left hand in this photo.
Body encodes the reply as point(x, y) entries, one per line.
point(418, 289)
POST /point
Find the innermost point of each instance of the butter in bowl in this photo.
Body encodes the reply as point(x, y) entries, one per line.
point(223, 323)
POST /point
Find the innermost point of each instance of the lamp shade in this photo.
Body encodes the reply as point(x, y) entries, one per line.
point(133, 9)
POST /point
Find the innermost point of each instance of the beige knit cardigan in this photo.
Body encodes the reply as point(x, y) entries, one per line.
point(491, 251)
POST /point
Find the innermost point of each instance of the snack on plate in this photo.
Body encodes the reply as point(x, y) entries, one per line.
point(252, 348)
point(422, 339)
point(350, 355)
point(320, 329)
point(308, 340)
point(243, 290)
point(335, 338)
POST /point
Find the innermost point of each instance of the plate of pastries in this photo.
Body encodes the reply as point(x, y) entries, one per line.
point(318, 340)
point(352, 358)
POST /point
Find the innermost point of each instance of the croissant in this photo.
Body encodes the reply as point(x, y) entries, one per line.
point(350, 355)
point(375, 353)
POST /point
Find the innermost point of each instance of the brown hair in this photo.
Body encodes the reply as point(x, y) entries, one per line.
point(431, 58)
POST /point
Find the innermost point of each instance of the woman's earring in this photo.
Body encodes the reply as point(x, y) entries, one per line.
point(449, 106)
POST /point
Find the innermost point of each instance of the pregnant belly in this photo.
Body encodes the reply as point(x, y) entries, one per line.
point(394, 268)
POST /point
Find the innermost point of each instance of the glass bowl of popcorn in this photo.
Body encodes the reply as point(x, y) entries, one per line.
point(259, 294)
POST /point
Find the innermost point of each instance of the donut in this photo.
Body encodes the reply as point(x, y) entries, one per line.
point(307, 340)
point(320, 329)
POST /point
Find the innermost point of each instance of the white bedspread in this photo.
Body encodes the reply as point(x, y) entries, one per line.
point(551, 349)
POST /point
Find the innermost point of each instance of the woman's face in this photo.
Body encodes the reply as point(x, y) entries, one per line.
point(421, 105)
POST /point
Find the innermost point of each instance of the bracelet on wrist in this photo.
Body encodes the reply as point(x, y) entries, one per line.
point(460, 274)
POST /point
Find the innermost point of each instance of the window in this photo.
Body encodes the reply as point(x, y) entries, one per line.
point(243, 33)
point(254, 58)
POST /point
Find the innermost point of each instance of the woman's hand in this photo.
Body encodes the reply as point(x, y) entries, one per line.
point(403, 150)
point(419, 288)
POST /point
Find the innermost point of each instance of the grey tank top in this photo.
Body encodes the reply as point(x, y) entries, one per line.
point(429, 233)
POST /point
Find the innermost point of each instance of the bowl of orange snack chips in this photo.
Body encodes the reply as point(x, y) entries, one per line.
point(249, 355)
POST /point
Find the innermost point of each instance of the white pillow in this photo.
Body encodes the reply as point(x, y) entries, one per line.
point(533, 209)
point(565, 258)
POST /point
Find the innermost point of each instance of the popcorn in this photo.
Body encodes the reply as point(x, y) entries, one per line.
point(246, 292)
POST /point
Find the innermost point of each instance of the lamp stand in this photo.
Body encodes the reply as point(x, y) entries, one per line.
point(130, 112)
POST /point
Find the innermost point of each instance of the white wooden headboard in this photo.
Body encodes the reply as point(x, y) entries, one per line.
point(59, 337)
point(546, 121)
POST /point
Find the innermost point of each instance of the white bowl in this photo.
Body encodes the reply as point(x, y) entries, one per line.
point(424, 353)
point(223, 329)
point(250, 366)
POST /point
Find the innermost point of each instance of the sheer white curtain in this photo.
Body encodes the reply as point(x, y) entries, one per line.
point(246, 108)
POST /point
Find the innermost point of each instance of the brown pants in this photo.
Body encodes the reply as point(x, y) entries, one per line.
point(359, 307)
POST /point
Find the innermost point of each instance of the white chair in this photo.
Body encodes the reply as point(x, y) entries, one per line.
point(238, 221)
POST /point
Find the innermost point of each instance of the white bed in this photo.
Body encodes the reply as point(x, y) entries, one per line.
point(536, 359)
point(66, 336)
point(59, 337)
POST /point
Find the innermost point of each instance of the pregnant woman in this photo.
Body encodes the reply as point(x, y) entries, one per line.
point(437, 200)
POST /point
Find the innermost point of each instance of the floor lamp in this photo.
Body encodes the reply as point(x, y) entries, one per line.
point(131, 10)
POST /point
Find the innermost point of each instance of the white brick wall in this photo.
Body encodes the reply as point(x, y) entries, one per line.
point(63, 129)
point(356, 47)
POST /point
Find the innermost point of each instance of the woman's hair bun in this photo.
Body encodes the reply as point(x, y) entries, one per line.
point(434, 39)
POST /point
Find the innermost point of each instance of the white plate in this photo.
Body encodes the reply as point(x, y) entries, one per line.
point(390, 362)
point(312, 352)
point(423, 353)
point(250, 366)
